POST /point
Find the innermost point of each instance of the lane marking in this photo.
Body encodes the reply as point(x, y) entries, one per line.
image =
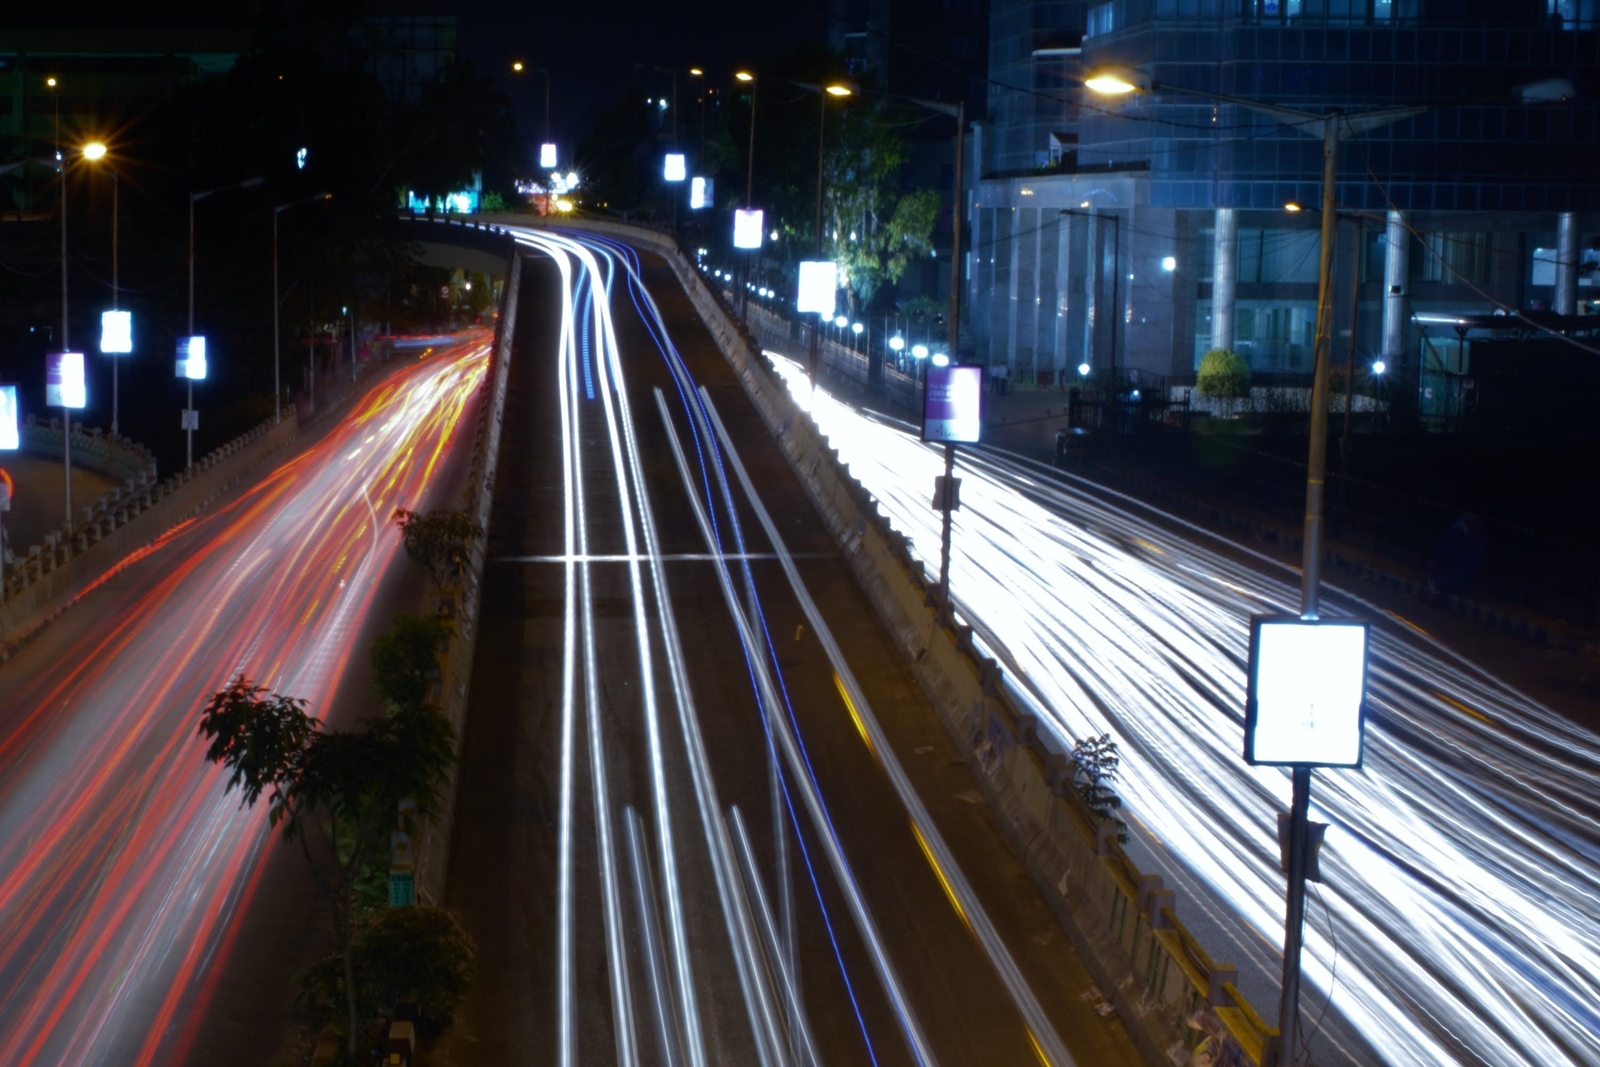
point(676, 557)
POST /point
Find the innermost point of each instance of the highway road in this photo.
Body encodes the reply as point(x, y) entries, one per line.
point(1459, 917)
point(125, 870)
point(706, 815)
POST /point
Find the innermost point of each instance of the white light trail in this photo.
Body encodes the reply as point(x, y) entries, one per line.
point(1462, 863)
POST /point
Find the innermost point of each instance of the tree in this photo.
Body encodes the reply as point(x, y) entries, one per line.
point(1094, 772)
point(418, 954)
point(341, 788)
point(870, 228)
point(406, 659)
point(439, 541)
point(1223, 375)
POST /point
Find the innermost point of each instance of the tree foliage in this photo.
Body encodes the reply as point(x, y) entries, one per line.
point(1223, 375)
point(338, 793)
point(406, 659)
point(1094, 773)
point(439, 541)
point(417, 955)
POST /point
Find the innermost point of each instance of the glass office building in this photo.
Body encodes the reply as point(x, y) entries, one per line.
point(1145, 229)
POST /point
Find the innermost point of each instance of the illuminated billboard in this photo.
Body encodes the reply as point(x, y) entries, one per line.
point(674, 169)
point(1307, 688)
point(952, 405)
point(192, 358)
point(116, 332)
point(747, 228)
point(699, 193)
point(819, 287)
point(10, 440)
point(547, 156)
point(64, 384)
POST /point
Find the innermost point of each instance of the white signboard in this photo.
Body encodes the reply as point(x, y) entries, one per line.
point(191, 419)
point(699, 193)
point(192, 358)
point(747, 228)
point(547, 156)
point(819, 287)
point(116, 332)
point(64, 384)
point(952, 405)
point(1307, 688)
point(674, 169)
point(10, 441)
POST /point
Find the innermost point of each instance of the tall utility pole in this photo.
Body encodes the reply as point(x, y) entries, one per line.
point(66, 412)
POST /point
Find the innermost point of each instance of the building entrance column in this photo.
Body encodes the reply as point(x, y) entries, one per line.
point(1566, 301)
point(1224, 278)
point(1396, 270)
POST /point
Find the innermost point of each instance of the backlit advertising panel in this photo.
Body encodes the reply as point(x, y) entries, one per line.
point(64, 384)
point(952, 405)
point(1307, 691)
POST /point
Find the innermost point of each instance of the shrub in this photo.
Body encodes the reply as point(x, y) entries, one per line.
point(1223, 375)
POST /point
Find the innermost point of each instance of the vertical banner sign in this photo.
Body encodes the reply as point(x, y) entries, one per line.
point(1307, 690)
point(674, 169)
point(116, 332)
point(700, 194)
point(747, 228)
point(10, 439)
point(819, 287)
point(547, 156)
point(64, 385)
point(952, 405)
point(192, 358)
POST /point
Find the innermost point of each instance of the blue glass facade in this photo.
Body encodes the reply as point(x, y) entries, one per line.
point(1464, 207)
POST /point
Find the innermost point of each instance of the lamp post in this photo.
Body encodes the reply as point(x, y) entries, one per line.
point(195, 198)
point(814, 357)
point(94, 152)
point(518, 67)
point(277, 387)
point(1331, 126)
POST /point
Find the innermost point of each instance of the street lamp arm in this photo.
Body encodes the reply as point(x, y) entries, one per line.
point(42, 161)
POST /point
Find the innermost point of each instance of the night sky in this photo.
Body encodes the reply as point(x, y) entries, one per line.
point(591, 49)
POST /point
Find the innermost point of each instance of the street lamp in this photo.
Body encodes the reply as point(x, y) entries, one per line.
point(1332, 126)
point(837, 91)
point(277, 387)
point(95, 152)
point(518, 67)
point(194, 198)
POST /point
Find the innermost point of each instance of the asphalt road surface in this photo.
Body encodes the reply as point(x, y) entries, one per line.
point(1458, 921)
point(695, 826)
point(131, 887)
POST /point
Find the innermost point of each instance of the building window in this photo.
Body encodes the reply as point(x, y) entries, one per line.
point(1544, 266)
point(1455, 258)
point(1102, 19)
point(1278, 256)
point(1574, 14)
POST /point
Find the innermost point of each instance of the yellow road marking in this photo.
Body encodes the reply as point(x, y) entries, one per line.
point(938, 872)
point(1037, 1051)
point(849, 704)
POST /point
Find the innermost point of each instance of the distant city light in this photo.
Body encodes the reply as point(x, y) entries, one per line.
point(1379, 366)
point(941, 360)
point(919, 351)
point(897, 342)
point(300, 159)
point(1083, 369)
point(841, 322)
point(856, 327)
point(547, 156)
point(1170, 263)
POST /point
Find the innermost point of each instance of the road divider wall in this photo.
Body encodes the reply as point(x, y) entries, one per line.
point(1174, 999)
point(455, 673)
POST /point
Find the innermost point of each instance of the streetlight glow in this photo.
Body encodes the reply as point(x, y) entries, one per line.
point(919, 351)
point(897, 342)
point(94, 150)
point(1117, 80)
point(744, 75)
point(696, 72)
point(856, 328)
point(838, 90)
point(517, 66)
point(1293, 206)
point(1379, 366)
point(1083, 370)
